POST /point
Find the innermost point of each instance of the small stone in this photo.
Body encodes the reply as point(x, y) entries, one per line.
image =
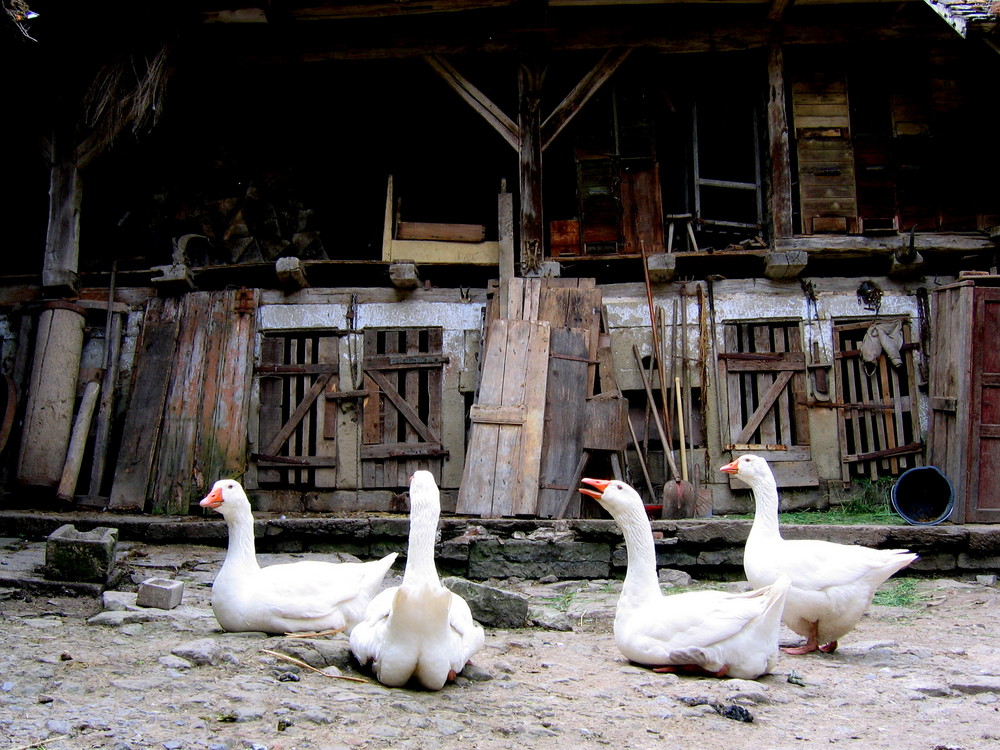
point(734, 712)
point(174, 662)
point(200, 652)
point(977, 685)
point(475, 673)
point(549, 579)
point(446, 727)
point(57, 726)
point(987, 580)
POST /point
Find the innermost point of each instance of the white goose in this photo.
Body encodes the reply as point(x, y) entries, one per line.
point(310, 595)
point(710, 632)
point(832, 584)
point(418, 630)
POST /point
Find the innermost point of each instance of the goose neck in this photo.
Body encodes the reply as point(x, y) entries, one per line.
point(420, 547)
point(640, 577)
point(765, 517)
point(241, 551)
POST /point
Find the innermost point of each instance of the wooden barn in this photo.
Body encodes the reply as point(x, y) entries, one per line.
point(318, 245)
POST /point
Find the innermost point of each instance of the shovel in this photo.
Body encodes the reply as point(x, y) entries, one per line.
point(678, 494)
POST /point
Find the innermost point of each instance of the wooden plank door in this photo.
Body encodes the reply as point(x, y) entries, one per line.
point(401, 414)
point(764, 371)
point(205, 418)
point(565, 421)
point(879, 423)
point(505, 443)
point(297, 437)
point(983, 503)
point(154, 356)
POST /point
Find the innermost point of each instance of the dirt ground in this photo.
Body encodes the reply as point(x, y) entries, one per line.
point(920, 677)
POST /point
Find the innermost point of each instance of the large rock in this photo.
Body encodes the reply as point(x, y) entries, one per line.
point(492, 607)
point(534, 559)
point(316, 652)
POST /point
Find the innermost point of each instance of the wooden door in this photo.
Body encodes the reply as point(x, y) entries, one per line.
point(505, 443)
point(187, 420)
point(879, 424)
point(401, 414)
point(764, 372)
point(298, 371)
point(983, 500)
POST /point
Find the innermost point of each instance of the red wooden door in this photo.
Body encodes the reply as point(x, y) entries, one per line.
point(983, 464)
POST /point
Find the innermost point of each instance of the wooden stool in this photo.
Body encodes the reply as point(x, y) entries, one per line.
point(688, 220)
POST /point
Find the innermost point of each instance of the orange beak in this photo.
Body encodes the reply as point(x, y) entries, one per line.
point(214, 499)
point(601, 484)
point(731, 467)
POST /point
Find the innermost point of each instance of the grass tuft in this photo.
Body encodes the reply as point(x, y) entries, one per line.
point(901, 593)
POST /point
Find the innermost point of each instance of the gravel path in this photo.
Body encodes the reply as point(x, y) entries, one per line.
point(74, 675)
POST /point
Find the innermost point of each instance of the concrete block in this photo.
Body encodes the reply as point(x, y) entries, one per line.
point(662, 267)
point(900, 269)
point(173, 279)
point(404, 275)
point(161, 593)
point(785, 264)
point(85, 556)
point(291, 273)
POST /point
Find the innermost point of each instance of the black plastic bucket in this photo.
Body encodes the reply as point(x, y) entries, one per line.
point(923, 496)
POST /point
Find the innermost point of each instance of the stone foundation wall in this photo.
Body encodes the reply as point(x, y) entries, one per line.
point(482, 549)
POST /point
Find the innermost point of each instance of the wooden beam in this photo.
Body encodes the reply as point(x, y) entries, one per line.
point(780, 162)
point(776, 9)
point(531, 71)
point(589, 85)
point(505, 223)
point(350, 44)
point(490, 112)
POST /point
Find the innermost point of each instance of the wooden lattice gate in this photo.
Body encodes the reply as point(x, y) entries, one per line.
point(764, 371)
point(298, 371)
point(401, 414)
point(879, 424)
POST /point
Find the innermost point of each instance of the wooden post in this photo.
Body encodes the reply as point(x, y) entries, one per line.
point(51, 393)
point(62, 238)
point(529, 119)
point(78, 441)
point(777, 124)
point(102, 430)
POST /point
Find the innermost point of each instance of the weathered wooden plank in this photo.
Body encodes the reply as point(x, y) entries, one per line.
point(228, 443)
point(768, 391)
point(642, 209)
point(565, 420)
point(328, 351)
point(193, 387)
point(271, 351)
point(426, 230)
point(531, 73)
point(479, 479)
point(109, 382)
point(778, 146)
point(574, 307)
point(533, 392)
point(401, 451)
point(482, 414)
point(154, 355)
